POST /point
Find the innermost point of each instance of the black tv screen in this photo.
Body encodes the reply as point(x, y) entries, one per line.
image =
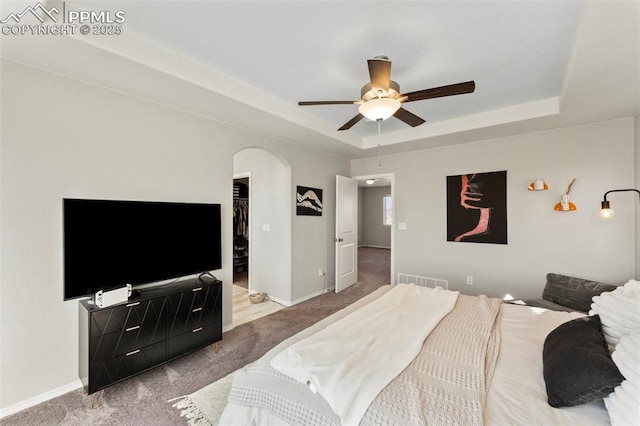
point(108, 244)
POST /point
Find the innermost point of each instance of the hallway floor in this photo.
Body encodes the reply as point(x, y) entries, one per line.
point(374, 265)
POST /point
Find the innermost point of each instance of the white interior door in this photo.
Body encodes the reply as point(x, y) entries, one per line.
point(346, 232)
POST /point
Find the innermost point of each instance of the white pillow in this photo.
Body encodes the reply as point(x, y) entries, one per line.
point(623, 404)
point(619, 311)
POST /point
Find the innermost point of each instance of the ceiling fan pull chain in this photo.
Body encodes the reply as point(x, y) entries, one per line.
point(379, 161)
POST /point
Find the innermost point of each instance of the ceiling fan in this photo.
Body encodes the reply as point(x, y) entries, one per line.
point(381, 98)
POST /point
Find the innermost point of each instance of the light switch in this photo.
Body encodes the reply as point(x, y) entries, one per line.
point(402, 226)
point(266, 227)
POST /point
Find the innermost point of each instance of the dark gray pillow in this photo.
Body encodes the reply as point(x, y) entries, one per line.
point(577, 366)
point(576, 293)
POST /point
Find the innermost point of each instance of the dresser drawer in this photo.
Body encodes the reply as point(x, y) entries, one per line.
point(194, 298)
point(118, 318)
point(112, 370)
point(194, 339)
point(183, 322)
point(141, 324)
point(127, 340)
point(192, 309)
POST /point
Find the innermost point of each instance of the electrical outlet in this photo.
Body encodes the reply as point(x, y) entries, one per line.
point(320, 272)
point(469, 280)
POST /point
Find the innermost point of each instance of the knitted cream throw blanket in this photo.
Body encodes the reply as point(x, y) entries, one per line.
point(446, 383)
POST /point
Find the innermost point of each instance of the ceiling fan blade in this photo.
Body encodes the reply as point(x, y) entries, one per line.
point(349, 124)
point(439, 92)
point(380, 74)
point(408, 117)
point(307, 103)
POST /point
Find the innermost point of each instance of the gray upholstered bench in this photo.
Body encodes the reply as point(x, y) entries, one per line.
point(564, 293)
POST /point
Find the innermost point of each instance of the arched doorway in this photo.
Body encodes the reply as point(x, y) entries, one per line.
point(262, 223)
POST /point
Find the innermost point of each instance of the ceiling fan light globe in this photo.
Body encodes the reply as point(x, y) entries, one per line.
point(379, 108)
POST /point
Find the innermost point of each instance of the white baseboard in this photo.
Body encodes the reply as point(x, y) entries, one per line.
point(302, 299)
point(38, 399)
point(279, 301)
point(311, 296)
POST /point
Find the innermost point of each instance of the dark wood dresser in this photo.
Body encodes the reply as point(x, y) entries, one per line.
point(153, 327)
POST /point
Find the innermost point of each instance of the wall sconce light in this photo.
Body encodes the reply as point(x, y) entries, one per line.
point(605, 211)
point(565, 205)
point(538, 185)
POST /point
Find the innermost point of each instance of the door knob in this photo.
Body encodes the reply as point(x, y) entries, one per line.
point(338, 240)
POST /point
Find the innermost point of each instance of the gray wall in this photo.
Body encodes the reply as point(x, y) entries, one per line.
point(600, 156)
point(371, 231)
point(63, 138)
point(360, 214)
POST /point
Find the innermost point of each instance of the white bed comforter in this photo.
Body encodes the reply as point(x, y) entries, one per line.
point(386, 335)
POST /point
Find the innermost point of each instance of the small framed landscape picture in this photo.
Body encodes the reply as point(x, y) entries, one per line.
point(308, 201)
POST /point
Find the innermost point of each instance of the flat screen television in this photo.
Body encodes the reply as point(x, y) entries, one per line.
point(108, 244)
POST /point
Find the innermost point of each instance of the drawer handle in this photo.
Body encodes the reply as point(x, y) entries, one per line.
point(133, 304)
point(133, 352)
point(133, 328)
point(196, 309)
point(196, 330)
point(196, 289)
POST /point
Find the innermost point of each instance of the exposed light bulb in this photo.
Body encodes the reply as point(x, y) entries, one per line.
point(370, 181)
point(606, 213)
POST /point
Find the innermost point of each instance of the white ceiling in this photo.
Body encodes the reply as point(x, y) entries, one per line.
point(536, 64)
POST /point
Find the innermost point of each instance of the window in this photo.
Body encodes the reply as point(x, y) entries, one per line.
point(387, 209)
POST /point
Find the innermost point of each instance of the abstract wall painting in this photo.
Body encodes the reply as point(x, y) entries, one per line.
point(308, 201)
point(477, 208)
